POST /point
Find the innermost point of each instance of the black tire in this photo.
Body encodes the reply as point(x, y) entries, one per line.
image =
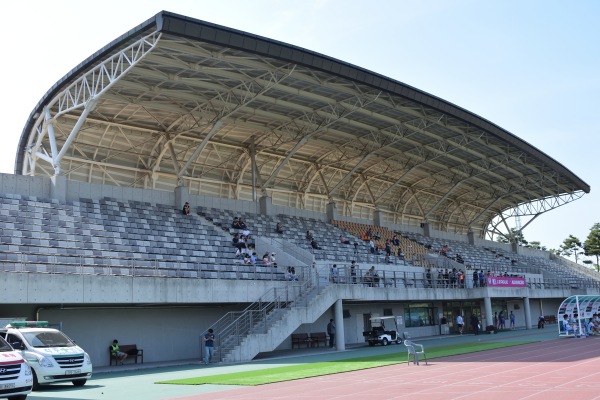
point(36, 384)
point(384, 341)
point(19, 397)
point(398, 341)
point(79, 382)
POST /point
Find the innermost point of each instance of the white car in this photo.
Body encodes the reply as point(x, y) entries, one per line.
point(16, 379)
point(52, 356)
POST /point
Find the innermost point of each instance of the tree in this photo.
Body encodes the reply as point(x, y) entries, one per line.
point(571, 247)
point(591, 246)
point(536, 245)
point(512, 237)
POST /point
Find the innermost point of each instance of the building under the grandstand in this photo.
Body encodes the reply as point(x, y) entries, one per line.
point(179, 110)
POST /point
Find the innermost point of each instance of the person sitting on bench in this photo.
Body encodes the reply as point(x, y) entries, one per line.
point(118, 354)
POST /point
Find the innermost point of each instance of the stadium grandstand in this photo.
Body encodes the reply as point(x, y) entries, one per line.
point(178, 110)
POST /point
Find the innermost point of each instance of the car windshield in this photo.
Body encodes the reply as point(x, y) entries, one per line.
point(4, 346)
point(48, 339)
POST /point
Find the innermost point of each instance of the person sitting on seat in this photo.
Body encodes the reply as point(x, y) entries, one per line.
point(343, 240)
point(266, 261)
point(315, 245)
point(459, 259)
point(186, 209)
point(236, 223)
point(309, 235)
point(569, 325)
point(279, 228)
point(118, 354)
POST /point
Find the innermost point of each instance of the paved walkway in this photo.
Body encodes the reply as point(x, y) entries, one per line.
point(137, 382)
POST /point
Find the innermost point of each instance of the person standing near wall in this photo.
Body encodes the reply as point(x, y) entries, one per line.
point(209, 346)
point(331, 332)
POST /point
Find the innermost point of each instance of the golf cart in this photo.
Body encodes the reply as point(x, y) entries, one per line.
point(379, 334)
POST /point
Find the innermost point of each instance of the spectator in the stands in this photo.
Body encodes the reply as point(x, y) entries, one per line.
point(368, 233)
point(459, 259)
point(400, 254)
point(315, 245)
point(253, 258)
point(309, 235)
point(444, 250)
point(377, 236)
point(372, 246)
point(291, 274)
point(236, 223)
point(273, 260)
point(481, 278)
point(247, 259)
point(395, 241)
point(388, 248)
point(266, 261)
point(475, 278)
point(186, 209)
point(343, 240)
point(238, 242)
point(279, 228)
point(335, 273)
point(242, 224)
point(246, 234)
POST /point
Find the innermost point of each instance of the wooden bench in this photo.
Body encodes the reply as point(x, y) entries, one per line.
point(132, 353)
point(300, 338)
point(318, 337)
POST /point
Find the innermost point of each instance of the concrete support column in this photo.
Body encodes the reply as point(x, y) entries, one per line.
point(527, 310)
point(338, 318)
point(471, 238)
point(58, 188)
point(265, 204)
point(182, 194)
point(514, 247)
point(425, 226)
point(331, 211)
point(489, 317)
point(377, 218)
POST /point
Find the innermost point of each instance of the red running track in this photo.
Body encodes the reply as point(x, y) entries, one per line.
point(558, 369)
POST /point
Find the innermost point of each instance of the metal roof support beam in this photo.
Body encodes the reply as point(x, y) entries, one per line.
point(352, 171)
point(89, 107)
point(200, 147)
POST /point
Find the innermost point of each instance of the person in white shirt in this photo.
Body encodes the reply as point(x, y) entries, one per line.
point(459, 323)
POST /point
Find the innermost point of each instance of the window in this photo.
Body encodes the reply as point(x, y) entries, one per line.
point(417, 315)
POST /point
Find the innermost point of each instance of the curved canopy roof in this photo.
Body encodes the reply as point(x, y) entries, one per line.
point(181, 101)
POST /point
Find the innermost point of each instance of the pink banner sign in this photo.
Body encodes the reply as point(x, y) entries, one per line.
point(505, 281)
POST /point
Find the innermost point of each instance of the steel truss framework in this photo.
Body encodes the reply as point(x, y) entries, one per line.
point(183, 102)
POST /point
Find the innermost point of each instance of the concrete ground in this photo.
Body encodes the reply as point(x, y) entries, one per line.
point(133, 382)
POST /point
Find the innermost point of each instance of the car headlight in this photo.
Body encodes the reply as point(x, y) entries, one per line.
point(45, 362)
point(26, 369)
point(87, 358)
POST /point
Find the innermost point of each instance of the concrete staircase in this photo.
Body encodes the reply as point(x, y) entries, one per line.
point(266, 323)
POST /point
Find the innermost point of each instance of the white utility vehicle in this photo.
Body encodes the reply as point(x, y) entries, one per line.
point(52, 356)
point(379, 335)
point(16, 379)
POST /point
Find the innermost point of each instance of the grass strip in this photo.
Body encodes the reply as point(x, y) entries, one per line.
point(309, 370)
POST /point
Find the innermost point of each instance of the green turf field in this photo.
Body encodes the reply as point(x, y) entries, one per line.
point(299, 371)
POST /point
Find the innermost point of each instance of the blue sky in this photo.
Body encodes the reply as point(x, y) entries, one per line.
point(531, 67)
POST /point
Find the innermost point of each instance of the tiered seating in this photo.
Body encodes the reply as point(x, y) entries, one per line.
point(412, 251)
point(295, 229)
point(113, 237)
point(499, 261)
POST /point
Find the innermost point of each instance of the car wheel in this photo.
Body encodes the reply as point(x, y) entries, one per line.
point(398, 341)
point(79, 382)
point(36, 384)
point(384, 342)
